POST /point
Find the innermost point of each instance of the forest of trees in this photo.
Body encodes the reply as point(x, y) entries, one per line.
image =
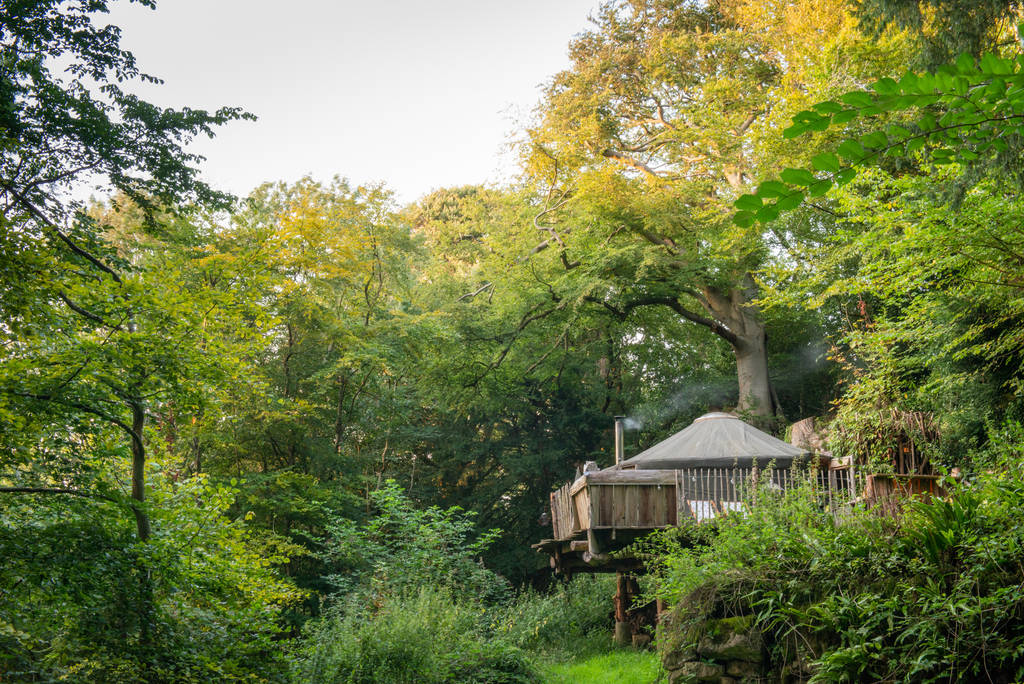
point(233, 428)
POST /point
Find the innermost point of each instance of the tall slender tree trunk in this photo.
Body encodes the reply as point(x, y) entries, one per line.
point(139, 469)
point(138, 408)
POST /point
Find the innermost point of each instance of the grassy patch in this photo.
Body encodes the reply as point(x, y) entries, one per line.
point(623, 666)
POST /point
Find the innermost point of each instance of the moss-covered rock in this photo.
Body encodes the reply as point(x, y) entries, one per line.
point(728, 639)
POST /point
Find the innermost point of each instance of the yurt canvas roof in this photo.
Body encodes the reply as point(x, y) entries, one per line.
point(716, 440)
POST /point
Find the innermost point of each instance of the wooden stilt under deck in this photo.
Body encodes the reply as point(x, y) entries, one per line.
point(623, 634)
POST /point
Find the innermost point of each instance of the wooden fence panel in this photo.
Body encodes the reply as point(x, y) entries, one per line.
point(563, 513)
point(651, 499)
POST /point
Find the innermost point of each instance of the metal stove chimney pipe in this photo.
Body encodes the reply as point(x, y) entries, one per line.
point(620, 422)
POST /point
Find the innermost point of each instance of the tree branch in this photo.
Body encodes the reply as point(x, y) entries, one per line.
point(674, 304)
point(85, 408)
point(52, 227)
point(85, 312)
point(630, 161)
point(55, 490)
point(747, 123)
point(529, 317)
point(471, 295)
point(660, 240)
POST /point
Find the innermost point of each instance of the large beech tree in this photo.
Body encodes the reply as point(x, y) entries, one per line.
point(668, 109)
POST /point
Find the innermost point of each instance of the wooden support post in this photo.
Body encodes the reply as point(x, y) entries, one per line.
point(593, 543)
point(623, 634)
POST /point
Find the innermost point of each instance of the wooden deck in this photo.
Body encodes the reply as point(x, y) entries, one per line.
point(605, 511)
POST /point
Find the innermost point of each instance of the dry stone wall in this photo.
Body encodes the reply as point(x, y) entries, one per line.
point(731, 651)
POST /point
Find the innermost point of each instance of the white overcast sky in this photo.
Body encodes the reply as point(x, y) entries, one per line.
point(419, 94)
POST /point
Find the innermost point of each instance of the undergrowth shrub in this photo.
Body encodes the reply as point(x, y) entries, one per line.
point(428, 637)
point(558, 619)
point(414, 603)
point(400, 548)
point(934, 595)
point(82, 600)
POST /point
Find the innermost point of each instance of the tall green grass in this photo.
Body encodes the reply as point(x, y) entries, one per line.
point(559, 620)
point(620, 666)
point(434, 636)
point(431, 637)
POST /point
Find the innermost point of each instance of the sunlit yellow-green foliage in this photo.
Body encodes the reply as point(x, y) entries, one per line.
point(328, 400)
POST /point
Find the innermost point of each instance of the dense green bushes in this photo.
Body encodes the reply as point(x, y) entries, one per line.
point(414, 604)
point(559, 620)
point(430, 635)
point(81, 600)
point(427, 637)
point(412, 601)
point(935, 595)
point(401, 548)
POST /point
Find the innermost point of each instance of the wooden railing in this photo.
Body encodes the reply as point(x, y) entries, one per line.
point(563, 514)
point(651, 499)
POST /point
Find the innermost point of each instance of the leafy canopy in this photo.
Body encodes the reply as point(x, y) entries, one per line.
point(969, 113)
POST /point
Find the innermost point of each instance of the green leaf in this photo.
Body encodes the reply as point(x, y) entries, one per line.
point(899, 133)
point(914, 144)
point(948, 118)
point(743, 219)
point(798, 177)
point(821, 124)
point(994, 64)
point(806, 116)
point(911, 83)
point(794, 131)
point(826, 161)
point(772, 188)
point(828, 107)
point(820, 188)
point(845, 116)
point(886, 86)
point(791, 201)
point(965, 64)
point(749, 202)
point(768, 212)
point(858, 98)
point(852, 150)
point(875, 140)
point(996, 89)
point(845, 176)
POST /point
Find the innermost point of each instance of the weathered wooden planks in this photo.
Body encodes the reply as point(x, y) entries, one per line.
point(564, 519)
point(650, 499)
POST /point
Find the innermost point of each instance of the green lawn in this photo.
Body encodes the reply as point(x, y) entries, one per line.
point(617, 667)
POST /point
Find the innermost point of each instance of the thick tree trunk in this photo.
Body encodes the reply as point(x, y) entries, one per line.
point(736, 319)
point(755, 395)
point(745, 332)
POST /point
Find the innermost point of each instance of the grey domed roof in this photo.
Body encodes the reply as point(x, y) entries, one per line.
point(717, 440)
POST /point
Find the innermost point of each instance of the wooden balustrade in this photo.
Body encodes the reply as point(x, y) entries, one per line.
point(652, 499)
